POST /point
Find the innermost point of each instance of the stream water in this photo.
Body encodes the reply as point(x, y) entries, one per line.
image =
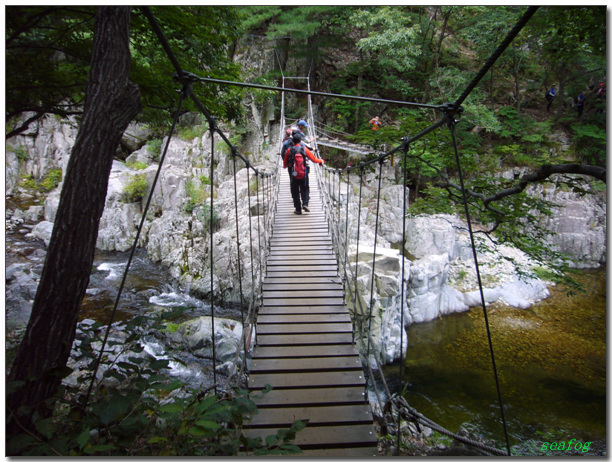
point(551, 362)
point(148, 288)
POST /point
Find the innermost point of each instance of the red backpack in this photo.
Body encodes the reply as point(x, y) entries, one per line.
point(297, 162)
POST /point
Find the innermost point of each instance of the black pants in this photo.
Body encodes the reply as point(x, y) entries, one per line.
point(550, 100)
point(299, 193)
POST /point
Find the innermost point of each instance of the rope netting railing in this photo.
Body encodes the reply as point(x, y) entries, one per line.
point(337, 207)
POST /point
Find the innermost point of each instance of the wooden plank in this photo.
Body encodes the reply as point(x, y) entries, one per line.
point(301, 250)
point(316, 328)
point(304, 339)
point(330, 363)
point(303, 294)
point(339, 453)
point(279, 280)
point(274, 272)
point(302, 318)
point(314, 397)
point(308, 379)
point(296, 286)
point(306, 309)
point(304, 301)
point(301, 269)
point(305, 351)
point(347, 436)
point(350, 414)
point(297, 249)
point(291, 241)
point(304, 259)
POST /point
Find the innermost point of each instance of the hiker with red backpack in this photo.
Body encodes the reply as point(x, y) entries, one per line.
point(295, 159)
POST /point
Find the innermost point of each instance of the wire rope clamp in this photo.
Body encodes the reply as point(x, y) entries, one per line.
point(452, 112)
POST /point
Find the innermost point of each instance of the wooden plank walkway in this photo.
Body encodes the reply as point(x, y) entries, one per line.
point(304, 346)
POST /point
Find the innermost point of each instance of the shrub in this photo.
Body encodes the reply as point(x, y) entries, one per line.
point(192, 132)
point(147, 413)
point(203, 214)
point(51, 180)
point(154, 147)
point(135, 165)
point(197, 193)
point(136, 189)
point(21, 152)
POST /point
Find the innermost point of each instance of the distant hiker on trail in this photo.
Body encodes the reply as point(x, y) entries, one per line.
point(550, 96)
point(295, 159)
point(581, 101)
point(376, 123)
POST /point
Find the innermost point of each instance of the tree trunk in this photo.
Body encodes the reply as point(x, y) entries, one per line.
point(111, 102)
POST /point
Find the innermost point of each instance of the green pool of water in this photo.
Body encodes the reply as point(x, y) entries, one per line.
point(551, 361)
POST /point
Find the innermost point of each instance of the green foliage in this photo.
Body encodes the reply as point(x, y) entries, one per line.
point(48, 54)
point(154, 147)
point(197, 193)
point(203, 214)
point(146, 412)
point(392, 37)
point(590, 142)
point(433, 200)
point(189, 133)
point(51, 180)
point(135, 165)
point(20, 152)
point(136, 188)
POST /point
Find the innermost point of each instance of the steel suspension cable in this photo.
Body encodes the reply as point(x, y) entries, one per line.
point(212, 284)
point(374, 254)
point(238, 245)
point(348, 182)
point(261, 268)
point(402, 301)
point(357, 299)
point(182, 97)
point(496, 54)
point(250, 230)
point(451, 126)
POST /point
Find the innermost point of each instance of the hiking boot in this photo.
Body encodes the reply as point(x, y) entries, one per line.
point(298, 212)
point(306, 209)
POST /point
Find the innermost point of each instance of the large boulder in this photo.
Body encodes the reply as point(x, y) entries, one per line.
point(196, 336)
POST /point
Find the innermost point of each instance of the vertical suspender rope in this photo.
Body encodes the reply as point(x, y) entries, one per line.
point(357, 299)
point(212, 285)
point(346, 239)
point(380, 163)
point(182, 97)
point(451, 126)
point(337, 221)
point(238, 243)
point(251, 232)
point(402, 302)
point(402, 294)
point(261, 269)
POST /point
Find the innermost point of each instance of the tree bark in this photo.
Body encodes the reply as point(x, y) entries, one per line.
point(111, 102)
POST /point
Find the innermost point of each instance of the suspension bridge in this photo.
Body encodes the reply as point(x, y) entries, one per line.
point(309, 348)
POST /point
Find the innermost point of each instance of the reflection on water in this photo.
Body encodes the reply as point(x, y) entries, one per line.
point(551, 361)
